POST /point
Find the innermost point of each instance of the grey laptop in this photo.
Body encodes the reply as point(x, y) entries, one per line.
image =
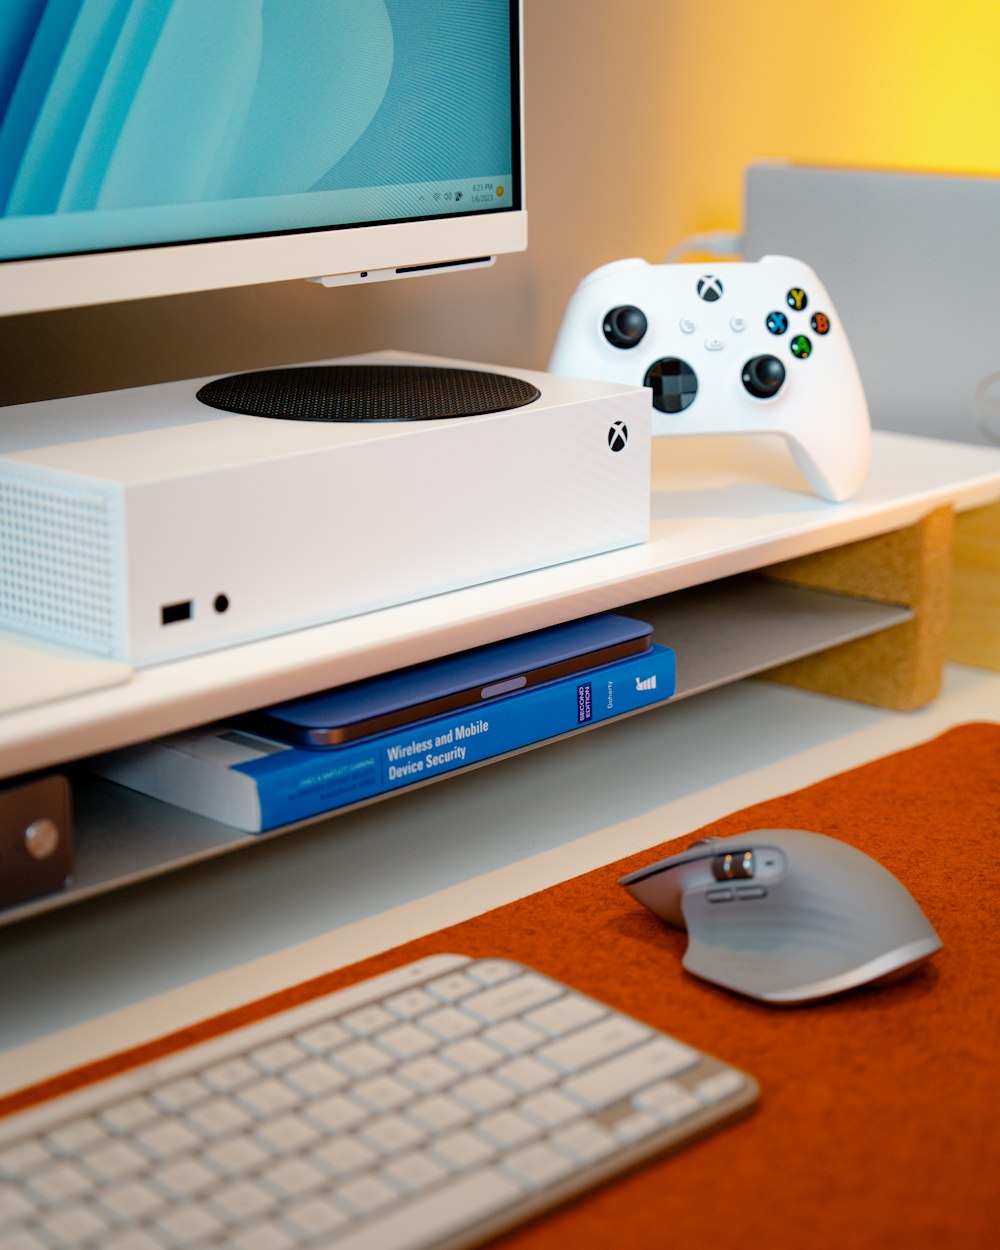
point(912, 264)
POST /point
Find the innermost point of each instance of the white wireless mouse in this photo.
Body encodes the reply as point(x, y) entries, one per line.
point(786, 916)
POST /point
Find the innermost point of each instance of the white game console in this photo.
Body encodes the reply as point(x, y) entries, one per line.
point(144, 526)
point(739, 348)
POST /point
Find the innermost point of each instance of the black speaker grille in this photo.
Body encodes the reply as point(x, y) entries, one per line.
point(367, 393)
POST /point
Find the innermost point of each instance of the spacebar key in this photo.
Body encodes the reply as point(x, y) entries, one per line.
point(605, 1084)
point(425, 1221)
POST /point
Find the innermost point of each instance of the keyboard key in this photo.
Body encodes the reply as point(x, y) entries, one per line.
point(24, 1159)
point(126, 1117)
point(715, 1088)
point(526, 1074)
point(507, 1128)
point(585, 1141)
point(265, 1098)
point(448, 1023)
point(229, 1075)
point(189, 1176)
point(315, 1077)
point(438, 1114)
point(511, 998)
point(336, 1113)
point(565, 1014)
point(314, 1217)
point(276, 1056)
point(367, 1021)
point(452, 987)
point(168, 1139)
point(483, 1093)
point(365, 1195)
point(471, 1055)
point(601, 1086)
point(462, 1150)
point(391, 1134)
point(74, 1138)
point(322, 1038)
point(536, 1166)
point(266, 1236)
point(236, 1204)
point(186, 1224)
point(493, 971)
point(133, 1201)
point(236, 1156)
point(287, 1135)
point(109, 1163)
point(343, 1156)
point(414, 1173)
point(410, 1004)
point(59, 1183)
point(293, 1178)
point(406, 1042)
point(180, 1095)
point(428, 1074)
point(513, 1037)
point(74, 1227)
point(427, 1220)
point(591, 1045)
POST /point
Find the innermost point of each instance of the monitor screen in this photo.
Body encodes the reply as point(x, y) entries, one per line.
point(155, 146)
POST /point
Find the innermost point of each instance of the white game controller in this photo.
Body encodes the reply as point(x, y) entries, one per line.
point(744, 347)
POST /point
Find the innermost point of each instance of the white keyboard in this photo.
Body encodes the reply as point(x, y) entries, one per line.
point(434, 1106)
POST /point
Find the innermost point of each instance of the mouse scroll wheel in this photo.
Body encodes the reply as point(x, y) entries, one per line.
point(734, 866)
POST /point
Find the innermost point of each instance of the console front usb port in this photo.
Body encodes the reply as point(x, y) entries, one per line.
point(171, 612)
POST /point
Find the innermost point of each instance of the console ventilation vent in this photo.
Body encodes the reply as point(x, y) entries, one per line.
point(57, 562)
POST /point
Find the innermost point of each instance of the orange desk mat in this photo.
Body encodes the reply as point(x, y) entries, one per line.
point(879, 1121)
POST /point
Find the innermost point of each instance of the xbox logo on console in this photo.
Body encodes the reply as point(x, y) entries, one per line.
point(709, 288)
point(618, 436)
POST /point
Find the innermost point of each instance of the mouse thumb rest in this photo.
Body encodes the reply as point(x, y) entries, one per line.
point(786, 923)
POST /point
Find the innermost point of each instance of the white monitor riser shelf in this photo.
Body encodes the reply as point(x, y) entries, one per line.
point(720, 507)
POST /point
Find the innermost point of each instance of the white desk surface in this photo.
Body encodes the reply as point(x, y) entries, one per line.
point(109, 973)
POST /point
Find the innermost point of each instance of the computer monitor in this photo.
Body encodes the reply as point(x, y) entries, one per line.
point(151, 149)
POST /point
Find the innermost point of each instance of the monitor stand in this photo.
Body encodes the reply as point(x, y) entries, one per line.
point(367, 392)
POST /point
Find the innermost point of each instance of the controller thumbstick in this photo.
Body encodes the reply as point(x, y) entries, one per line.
point(624, 326)
point(763, 376)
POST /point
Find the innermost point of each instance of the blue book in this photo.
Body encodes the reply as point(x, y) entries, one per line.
point(256, 783)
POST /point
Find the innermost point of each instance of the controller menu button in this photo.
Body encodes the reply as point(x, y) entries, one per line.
point(737, 324)
point(624, 326)
point(674, 383)
point(797, 299)
point(763, 376)
point(801, 346)
point(777, 322)
point(820, 322)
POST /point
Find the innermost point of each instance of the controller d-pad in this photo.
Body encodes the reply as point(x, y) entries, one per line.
point(674, 383)
point(709, 288)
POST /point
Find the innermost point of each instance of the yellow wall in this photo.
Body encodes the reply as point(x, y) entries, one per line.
point(641, 118)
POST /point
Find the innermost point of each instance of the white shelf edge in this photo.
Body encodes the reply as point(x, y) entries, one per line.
point(711, 521)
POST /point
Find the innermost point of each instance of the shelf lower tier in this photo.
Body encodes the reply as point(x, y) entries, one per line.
point(721, 632)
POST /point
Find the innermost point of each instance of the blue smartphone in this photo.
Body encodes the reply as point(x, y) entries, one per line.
point(379, 704)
